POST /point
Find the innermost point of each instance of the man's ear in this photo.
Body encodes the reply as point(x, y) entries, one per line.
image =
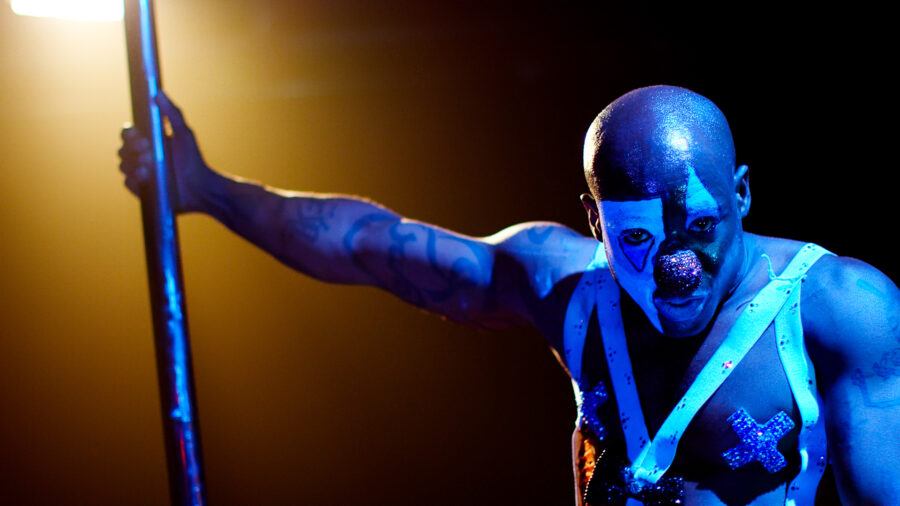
point(590, 205)
point(742, 189)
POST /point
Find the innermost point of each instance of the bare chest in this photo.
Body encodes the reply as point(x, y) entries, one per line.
point(757, 387)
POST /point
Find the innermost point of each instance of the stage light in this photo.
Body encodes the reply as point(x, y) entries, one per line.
point(175, 371)
point(83, 10)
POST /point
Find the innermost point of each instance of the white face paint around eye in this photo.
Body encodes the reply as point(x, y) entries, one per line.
point(633, 232)
point(698, 201)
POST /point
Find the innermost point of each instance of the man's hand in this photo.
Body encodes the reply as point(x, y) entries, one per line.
point(493, 281)
point(191, 172)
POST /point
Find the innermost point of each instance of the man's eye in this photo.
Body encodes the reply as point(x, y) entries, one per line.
point(703, 225)
point(635, 236)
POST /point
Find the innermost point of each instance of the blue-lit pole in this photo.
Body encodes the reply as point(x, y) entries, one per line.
point(173, 352)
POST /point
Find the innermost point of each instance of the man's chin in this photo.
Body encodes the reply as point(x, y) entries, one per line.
point(682, 316)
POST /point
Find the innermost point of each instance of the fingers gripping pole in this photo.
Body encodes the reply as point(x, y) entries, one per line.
point(173, 354)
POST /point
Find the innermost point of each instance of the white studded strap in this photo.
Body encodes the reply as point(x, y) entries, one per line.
point(811, 442)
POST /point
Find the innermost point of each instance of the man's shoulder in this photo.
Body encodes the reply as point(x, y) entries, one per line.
point(832, 279)
point(848, 284)
point(537, 235)
point(848, 303)
point(544, 245)
point(544, 261)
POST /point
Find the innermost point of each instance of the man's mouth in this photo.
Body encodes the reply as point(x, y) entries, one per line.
point(678, 309)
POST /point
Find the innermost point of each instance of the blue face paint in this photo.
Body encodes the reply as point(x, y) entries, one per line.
point(660, 162)
point(698, 201)
point(632, 233)
point(680, 273)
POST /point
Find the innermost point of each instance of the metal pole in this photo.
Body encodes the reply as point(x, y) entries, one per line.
point(173, 353)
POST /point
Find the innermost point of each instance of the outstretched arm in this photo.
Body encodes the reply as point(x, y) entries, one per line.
point(341, 239)
point(855, 344)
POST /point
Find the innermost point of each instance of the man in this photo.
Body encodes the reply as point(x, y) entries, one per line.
point(710, 365)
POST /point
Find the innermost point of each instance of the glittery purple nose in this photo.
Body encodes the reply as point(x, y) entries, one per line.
point(677, 274)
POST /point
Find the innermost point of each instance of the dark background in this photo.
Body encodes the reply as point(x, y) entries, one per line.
point(467, 115)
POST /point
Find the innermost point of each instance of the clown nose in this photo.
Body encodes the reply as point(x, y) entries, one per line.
point(677, 274)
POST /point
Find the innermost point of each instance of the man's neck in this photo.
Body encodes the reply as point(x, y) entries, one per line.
point(750, 252)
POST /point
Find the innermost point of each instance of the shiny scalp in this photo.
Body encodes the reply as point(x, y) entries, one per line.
point(648, 132)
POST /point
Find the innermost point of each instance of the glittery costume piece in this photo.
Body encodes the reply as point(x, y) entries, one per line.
point(611, 485)
point(678, 274)
point(593, 400)
point(781, 297)
point(758, 442)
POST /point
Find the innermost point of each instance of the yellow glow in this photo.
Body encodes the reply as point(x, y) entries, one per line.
point(82, 10)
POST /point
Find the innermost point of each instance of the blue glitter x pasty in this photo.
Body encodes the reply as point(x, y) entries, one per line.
point(758, 442)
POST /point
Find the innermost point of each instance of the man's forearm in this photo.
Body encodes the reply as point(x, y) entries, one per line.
point(309, 232)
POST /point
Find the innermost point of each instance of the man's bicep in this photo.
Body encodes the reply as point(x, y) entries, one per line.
point(858, 341)
point(448, 273)
point(863, 419)
point(537, 265)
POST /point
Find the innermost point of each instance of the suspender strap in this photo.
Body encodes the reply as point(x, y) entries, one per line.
point(612, 331)
point(578, 317)
point(656, 458)
point(811, 441)
point(778, 301)
point(578, 313)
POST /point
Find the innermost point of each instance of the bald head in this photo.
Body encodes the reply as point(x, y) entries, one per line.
point(650, 132)
point(668, 203)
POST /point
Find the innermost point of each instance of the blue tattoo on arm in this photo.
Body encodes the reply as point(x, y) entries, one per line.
point(455, 274)
point(351, 234)
point(885, 369)
point(311, 219)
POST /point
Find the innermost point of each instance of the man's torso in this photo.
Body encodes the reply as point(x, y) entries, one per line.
point(665, 367)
